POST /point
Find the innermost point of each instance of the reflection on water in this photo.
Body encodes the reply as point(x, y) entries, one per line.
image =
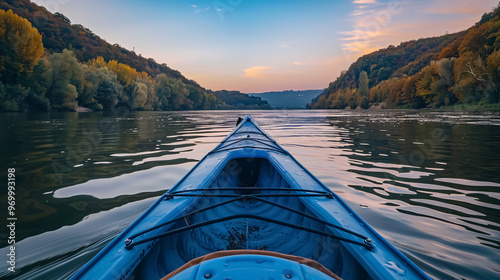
point(427, 181)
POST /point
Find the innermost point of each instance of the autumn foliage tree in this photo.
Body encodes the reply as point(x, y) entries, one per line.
point(21, 43)
point(21, 48)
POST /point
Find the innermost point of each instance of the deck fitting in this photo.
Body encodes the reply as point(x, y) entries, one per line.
point(128, 242)
point(369, 244)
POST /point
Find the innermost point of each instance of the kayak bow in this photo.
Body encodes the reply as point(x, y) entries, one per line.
point(249, 210)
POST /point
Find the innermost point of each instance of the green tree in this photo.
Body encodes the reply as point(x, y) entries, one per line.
point(211, 101)
point(151, 98)
point(107, 93)
point(196, 97)
point(141, 95)
point(2, 91)
point(13, 98)
point(179, 94)
point(352, 103)
point(92, 78)
point(36, 101)
point(163, 91)
point(363, 84)
point(62, 79)
point(102, 89)
point(364, 103)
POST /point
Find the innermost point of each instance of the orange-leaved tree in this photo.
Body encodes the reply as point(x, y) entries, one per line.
point(22, 44)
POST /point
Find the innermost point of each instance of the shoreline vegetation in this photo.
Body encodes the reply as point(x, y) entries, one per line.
point(460, 70)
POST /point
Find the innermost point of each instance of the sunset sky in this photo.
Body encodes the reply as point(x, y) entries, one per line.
point(257, 45)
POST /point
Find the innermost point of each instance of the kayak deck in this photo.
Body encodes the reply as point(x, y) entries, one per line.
point(255, 222)
point(249, 194)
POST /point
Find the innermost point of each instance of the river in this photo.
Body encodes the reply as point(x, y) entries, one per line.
point(428, 181)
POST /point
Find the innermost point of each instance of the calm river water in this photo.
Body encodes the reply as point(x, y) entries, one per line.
point(428, 181)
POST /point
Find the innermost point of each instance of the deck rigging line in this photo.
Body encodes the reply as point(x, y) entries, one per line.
point(130, 243)
point(245, 189)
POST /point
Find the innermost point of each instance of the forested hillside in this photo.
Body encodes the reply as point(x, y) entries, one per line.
point(49, 64)
point(463, 67)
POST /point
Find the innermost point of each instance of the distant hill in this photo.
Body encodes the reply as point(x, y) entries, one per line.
point(431, 72)
point(237, 100)
point(289, 99)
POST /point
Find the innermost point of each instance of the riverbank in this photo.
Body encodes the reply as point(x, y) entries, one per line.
point(485, 106)
point(459, 106)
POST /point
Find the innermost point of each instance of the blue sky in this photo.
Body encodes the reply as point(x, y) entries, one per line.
point(257, 46)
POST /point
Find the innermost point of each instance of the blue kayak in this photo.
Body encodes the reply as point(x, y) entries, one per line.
point(249, 210)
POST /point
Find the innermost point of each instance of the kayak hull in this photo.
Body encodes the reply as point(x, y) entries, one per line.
point(249, 194)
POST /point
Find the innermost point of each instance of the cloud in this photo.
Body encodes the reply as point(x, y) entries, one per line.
point(364, 2)
point(360, 35)
point(360, 12)
point(371, 23)
point(202, 10)
point(199, 10)
point(255, 72)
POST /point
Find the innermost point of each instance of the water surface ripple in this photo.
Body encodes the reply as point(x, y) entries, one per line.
point(428, 181)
